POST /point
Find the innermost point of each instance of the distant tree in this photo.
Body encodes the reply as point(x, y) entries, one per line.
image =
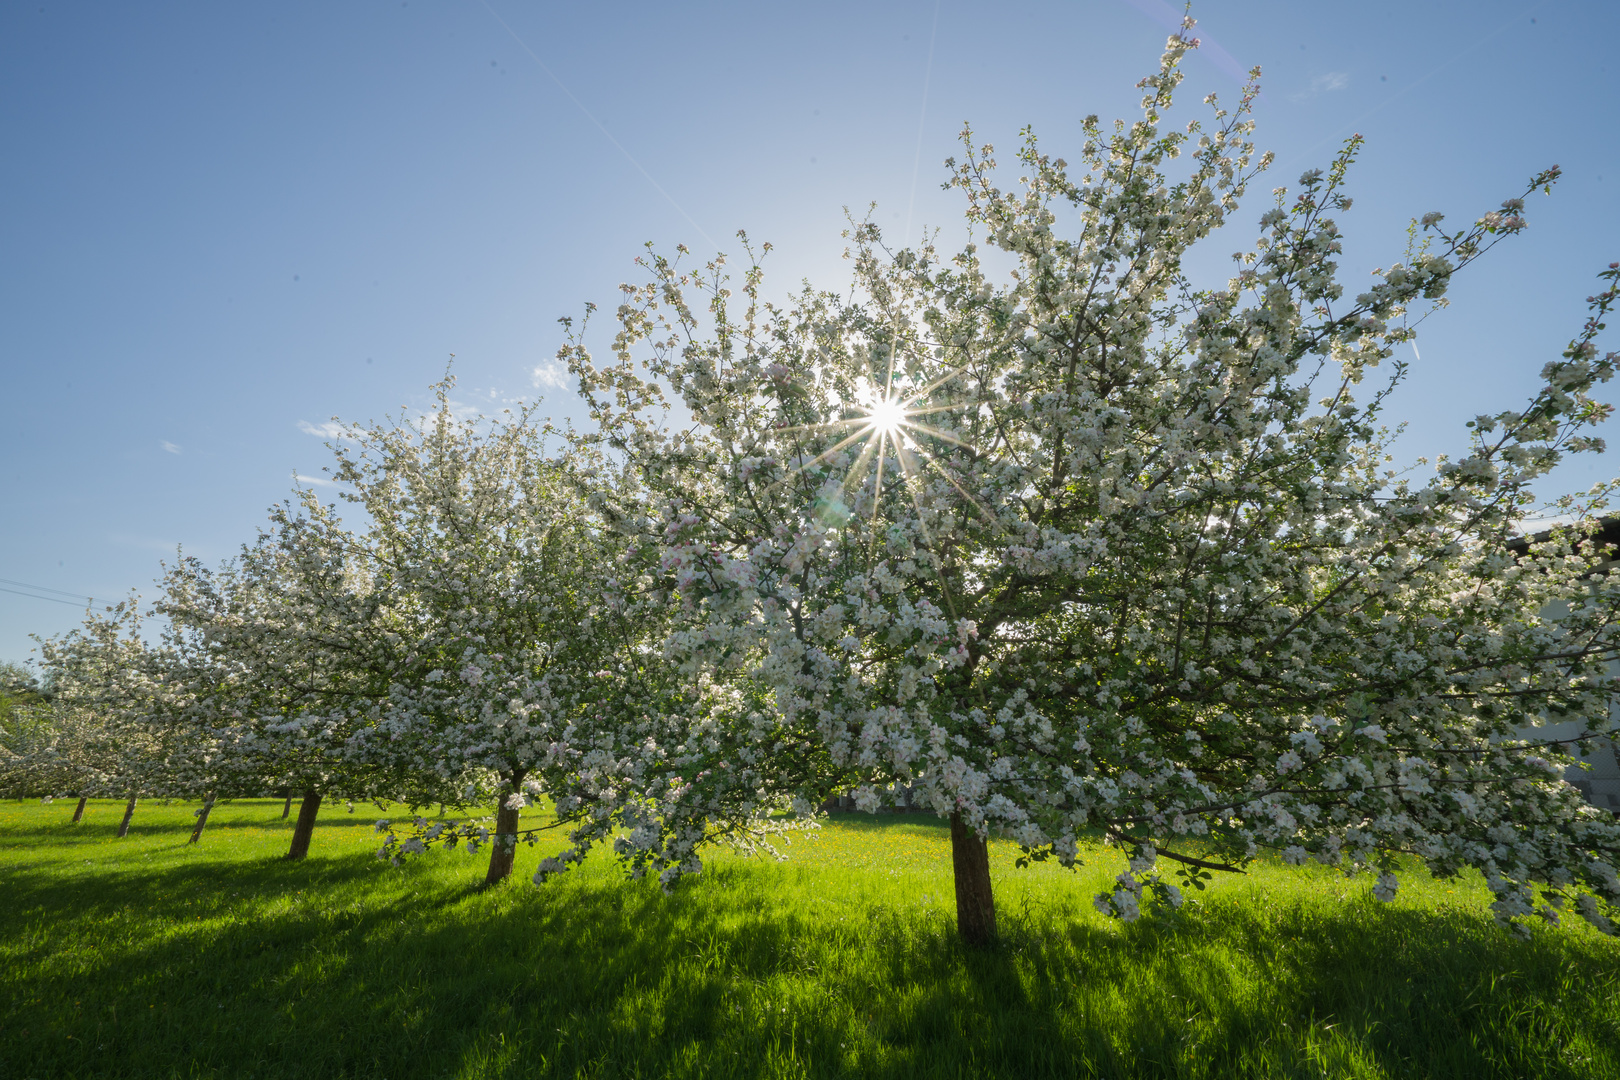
point(28, 728)
point(1084, 546)
point(20, 697)
point(108, 731)
point(19, 687)
point(282, 660)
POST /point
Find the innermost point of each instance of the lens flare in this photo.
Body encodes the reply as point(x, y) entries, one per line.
point(885, 440)
point(887, 416)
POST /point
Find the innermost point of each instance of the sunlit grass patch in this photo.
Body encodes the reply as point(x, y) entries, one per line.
point(154, 957)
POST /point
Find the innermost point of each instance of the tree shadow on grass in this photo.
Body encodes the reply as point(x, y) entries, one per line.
point(594, 976)
point(52, 889)
point(100, 831)
point(1448, 992)
point(1363, 990)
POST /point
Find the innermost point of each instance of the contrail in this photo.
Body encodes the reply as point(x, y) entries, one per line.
point(916, 160)
point(599, 127)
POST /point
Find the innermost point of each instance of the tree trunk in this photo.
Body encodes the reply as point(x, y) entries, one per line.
point(286, 807)
point(503, 852)
point(202, 817)
point(129, 812)
point(78, 811)
point(975, 904)
point(306, 824)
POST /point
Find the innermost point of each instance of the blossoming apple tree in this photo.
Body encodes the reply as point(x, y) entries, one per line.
point(1084, 546)
point(537, 608)
point(284, 658)
point(109, 729)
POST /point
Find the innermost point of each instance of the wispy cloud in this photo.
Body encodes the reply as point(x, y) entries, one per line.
point(329, 430)
point(151, 543)
point(552, 375)
point(1326, 83)
point(460, 413)
point(169, 446)
point(316, 481)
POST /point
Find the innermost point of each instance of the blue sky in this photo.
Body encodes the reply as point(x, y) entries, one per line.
point(224, 224)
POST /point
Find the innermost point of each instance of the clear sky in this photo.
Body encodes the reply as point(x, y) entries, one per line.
point(224, 224)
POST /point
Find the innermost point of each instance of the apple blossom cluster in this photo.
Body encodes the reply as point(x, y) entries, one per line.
point(1091, 548)
point(1125, 902)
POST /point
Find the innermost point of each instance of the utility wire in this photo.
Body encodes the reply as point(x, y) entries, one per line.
point(35, 596)
point(43, 588)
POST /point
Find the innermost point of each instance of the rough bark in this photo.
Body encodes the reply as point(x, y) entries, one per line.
point(129, 812)
point(202, 817)
point(305, 826)
point(78, 811)
point(286, 807)
point(975, 903)
point(503, 851)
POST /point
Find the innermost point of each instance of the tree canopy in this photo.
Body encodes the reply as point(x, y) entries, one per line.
point(1089, 545)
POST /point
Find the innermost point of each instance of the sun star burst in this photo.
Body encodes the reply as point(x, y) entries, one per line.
point(887, 427)
point(887, 416)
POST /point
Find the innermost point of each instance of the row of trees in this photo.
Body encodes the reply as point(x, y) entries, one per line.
point(1045, 532)
point(492, 632)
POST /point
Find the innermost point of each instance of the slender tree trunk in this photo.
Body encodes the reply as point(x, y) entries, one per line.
point(286, 807)
point(503, 852)
point(306, 824)
point(129, 812)
point(78, 811)
point(975, 904)
point(202, 817)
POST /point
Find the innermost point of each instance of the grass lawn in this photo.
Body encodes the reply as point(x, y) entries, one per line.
point(150, 957)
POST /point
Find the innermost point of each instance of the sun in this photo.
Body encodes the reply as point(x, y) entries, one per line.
point(881, 433)
point(887, 416)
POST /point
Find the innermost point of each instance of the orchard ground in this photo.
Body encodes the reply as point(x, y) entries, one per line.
point(154, 957)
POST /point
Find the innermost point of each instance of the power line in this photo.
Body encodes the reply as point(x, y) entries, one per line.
point(35, 592)
point(45, 588)
point(35, 596)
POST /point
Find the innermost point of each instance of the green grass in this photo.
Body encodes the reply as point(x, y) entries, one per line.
point(152, 957)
